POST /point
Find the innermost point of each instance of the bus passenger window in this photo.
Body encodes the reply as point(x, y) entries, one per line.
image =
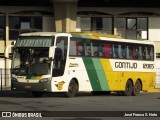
point(120, 51)
point(115, 51)
point(144, 53)
point(134, 52)
point(79, 48)
point(123, 49)
point(148, 57)
point(151, 53)
point(107, 50)
point(73, 47)
point(129, 52)
point(140, 52)
point(76, 47)
point(101, 50)
point(87, 47)
point(94, 49)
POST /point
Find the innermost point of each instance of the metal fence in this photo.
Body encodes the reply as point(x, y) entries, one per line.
point(5, 79)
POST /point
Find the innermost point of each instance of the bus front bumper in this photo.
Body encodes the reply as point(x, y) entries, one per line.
point(21, 86)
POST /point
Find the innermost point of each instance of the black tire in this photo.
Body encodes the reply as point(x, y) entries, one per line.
point(137, 88)
point(72, 89)
point(120, 93)
point(37, 94)
point(128, 88)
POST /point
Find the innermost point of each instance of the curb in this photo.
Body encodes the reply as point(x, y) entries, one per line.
point(154, 90)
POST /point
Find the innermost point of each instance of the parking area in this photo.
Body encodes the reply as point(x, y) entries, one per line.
point(84, 106)
point(19, 101)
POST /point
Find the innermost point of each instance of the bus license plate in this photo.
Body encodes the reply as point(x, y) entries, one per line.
point(28, 87)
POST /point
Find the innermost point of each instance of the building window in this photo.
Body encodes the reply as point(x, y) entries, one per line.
point(133, 28)
point(96, 24)
point(94, 21)
point(23, 24)
point(85, 24)
point(2, 27)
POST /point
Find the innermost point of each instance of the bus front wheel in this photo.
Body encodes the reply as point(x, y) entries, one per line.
point(37, 94)
point(72, 89)
point(128, 88)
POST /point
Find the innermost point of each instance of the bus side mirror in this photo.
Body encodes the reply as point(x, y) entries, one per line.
point(52, 51)
point(6, 53)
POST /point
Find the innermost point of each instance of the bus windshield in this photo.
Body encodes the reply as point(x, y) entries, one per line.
point(34, 41)
point(31, 55)
point(31, 61)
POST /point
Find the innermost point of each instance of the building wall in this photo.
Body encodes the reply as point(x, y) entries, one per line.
point(2, 46)
point(154, 28)
point(151, 13)
point(48, 24)
point(154, 31)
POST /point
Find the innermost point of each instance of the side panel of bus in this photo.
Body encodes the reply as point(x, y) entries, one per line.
point(102, 70)
point(103, 77)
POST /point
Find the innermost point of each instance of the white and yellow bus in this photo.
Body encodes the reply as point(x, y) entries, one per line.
point(82, 61)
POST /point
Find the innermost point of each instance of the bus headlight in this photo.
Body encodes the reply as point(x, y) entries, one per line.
point(43, 80)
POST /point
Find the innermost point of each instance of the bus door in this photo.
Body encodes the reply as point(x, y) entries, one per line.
point(60, 56)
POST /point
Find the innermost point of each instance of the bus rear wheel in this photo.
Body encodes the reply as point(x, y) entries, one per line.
point(137, 88)
point(37, 94)
point(128, 88)
point(72, 89)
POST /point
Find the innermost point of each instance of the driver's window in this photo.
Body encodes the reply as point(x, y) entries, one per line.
point(60, 56)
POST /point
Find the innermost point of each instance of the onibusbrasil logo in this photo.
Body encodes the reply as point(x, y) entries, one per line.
point(21, 114)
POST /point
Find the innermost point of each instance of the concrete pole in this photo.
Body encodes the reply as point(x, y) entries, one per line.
point(65, 13)
point(115, 24)
point(7, 71)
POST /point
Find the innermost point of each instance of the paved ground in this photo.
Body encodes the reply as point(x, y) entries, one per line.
point(22, 101)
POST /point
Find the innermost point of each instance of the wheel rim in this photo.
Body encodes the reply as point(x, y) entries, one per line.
point(72, 88)
point(128, 90)
point(137, 87)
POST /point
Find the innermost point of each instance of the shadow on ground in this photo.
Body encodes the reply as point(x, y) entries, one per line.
point(23, 94)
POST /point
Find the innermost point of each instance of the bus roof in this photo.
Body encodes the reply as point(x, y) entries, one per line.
point(39, 34)
point(74, 34)
point(89, 35)
point(107, 37)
